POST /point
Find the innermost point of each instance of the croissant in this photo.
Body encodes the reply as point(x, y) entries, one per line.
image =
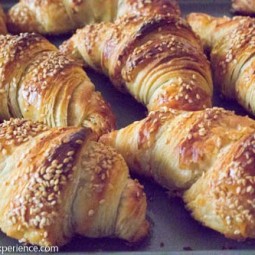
point(157, 59)
point(246, 7)
point(41, 84)
point(207, 155)
point(59, 16)
point(232, 48)
point(3, 29)
point(57, 182)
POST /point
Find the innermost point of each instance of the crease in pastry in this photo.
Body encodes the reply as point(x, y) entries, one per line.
point(3, 29)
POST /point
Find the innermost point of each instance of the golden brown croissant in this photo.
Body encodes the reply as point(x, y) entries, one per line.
point(246, 7)
point(209, 155)
point(232, 54)
point(3, 29)
point(57, 182)
point(61, 16)
point(41, 84)
point(157, 59)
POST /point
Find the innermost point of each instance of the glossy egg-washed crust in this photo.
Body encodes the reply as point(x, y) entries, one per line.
point(246, 7)
point(3, 29)
point(231, 42)
point(208, 155)
point(62, 16)
point(39, 83)
point(157, 59)
point(56, 182)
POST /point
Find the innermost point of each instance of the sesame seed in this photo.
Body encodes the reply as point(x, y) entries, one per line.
point(91, 213)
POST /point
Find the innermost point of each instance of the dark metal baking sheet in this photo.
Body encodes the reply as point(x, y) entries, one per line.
point(173, 229)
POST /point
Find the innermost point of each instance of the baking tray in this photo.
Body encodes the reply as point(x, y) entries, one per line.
point(173, 231)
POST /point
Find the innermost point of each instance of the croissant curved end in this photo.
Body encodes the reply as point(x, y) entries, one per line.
point(21, 19)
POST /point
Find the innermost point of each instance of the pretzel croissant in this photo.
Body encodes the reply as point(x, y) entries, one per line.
point(209, 155)
point(231, 42)
point(56, 182)
point(41, 84)
point(61, 16)
point(157, 59)
point(246, 7)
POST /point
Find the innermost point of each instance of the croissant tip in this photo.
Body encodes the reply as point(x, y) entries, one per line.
point(142, 233)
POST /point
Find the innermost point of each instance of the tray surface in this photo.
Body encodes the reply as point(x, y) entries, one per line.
point(173, 228)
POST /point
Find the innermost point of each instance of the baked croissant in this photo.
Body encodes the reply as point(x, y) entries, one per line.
point(157, 59)
point(209, 155)
point(3, 29)
point(59, 16)
point(246, 7)
point(39, 83)
point(232, 54)
point(57, 182)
